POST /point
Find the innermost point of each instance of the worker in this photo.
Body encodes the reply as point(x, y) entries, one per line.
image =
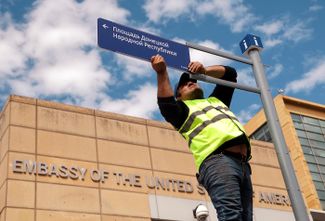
point(214, 135)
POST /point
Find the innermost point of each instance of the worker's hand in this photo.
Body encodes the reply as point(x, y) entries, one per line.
point(158, 64)
point(196, 67)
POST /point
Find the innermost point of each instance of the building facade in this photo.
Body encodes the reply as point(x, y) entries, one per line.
point(67, 163)
point(303, 126)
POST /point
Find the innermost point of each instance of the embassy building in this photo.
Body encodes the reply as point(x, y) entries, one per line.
point(65, 163)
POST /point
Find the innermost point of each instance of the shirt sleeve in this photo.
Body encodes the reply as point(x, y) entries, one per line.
point(174, 112)
point(224, 93)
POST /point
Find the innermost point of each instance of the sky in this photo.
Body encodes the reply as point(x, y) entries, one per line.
point(48, 49)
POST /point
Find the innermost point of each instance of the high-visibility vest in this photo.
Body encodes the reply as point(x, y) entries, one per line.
point(208, 125)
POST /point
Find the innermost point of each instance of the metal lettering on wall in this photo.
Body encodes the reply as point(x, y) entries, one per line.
point(274, 198)
point(133, 180)
point(101, 175)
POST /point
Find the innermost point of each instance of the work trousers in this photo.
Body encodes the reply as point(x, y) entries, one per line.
point(227, 180)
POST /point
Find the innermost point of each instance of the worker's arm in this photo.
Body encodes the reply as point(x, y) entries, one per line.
point(159, 65)
point(216, 71)
point(225, 93)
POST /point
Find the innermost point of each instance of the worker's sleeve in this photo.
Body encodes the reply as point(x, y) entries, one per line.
point(174, 112)
point(224, 93)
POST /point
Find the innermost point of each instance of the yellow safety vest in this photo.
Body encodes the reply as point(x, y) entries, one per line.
point(209, 124)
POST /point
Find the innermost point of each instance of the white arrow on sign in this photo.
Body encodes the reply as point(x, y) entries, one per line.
point(105, 26)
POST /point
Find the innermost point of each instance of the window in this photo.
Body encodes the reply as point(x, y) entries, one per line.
point(316, 177)
point(303, 141)
point(296, 117)
point(298, 125)
point(321, 194)
point(313, 167)
point(312, 128)
point(315, 136)
point(262, 134)
point(321, 160)
point(310, 120)
point(301, 133)
point(322, 123)
point(311, 134)
point(310, 158)
point(319, 152)
point(307, 150)
point(318, 144)
point(320, 186)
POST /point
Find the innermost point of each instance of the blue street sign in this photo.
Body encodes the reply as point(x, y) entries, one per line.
point(135, 43)
point(250, 41)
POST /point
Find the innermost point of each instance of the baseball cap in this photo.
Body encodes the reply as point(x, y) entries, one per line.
point(185, 77)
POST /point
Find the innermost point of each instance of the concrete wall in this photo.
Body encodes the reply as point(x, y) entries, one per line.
point(61, 162)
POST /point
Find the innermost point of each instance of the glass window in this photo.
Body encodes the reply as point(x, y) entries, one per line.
point(310, 158)
point(323, 176)
point(298, 125)
point(322, 123)
point(268, 137)
point(316, 176)
point(322, 169)
point(321, 194)
point(258, 134)
point(318, 144)
point(315, 136)
point(320, 186)
point(303, 141)
point(313, 128)
point(296, 117)
point(313, 167)
point(307, 150)
point(310, 120)
point(321, 160)
point(301, 133)
point(319, 152)
point(262, 133)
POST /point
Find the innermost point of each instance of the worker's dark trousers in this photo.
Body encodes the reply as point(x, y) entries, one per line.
point(227, 180)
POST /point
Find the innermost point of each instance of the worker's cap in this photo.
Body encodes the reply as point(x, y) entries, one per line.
point(185, 77)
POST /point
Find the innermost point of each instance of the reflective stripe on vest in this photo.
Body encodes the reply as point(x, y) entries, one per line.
point(189, 122)
point(209, 124)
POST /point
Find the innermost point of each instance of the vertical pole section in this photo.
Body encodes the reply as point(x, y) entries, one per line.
point(297, 201)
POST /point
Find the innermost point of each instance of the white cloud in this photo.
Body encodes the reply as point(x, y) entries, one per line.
point(158, 10)
point(138, 102)
point(270, 28)
point(275, 71)
point(54, 54)
point(132, 68)
point(247, 114)
point(315, 8)
point(269, 43)
point(297, 32)
point(246, 76)
point(283, 29)
point(309, 80)
point(231, 12)
point(11, 40)
point(207, 58)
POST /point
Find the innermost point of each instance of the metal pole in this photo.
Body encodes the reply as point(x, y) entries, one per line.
point(297, 201)
point(219, 53)
point(209, 79)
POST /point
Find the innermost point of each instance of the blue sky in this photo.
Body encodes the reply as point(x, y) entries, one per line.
point(49, 49)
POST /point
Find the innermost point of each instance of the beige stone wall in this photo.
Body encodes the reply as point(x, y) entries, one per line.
point(125, 147)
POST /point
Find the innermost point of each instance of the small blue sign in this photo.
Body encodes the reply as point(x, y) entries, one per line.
point(250, 41)
point(135, 43)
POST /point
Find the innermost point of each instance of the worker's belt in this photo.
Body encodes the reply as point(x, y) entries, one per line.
point(238, 156)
